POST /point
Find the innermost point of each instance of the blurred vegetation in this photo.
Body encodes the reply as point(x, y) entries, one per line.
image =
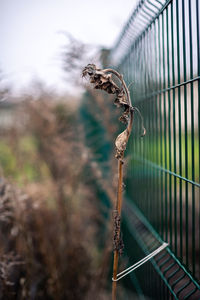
point(50, 225)
point(21, 163)
point(57, 191)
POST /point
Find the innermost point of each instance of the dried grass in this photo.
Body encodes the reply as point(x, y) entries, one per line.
point(49, 234)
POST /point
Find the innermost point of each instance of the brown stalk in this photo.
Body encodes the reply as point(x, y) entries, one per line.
point(102, 79)
point(118, 208)
point(120, 184)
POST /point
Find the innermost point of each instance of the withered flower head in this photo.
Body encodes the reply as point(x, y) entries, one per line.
point(102, 79)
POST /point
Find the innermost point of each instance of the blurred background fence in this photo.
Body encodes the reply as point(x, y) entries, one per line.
point(158, 50)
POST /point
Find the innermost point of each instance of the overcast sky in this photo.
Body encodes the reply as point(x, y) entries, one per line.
point(30, 40)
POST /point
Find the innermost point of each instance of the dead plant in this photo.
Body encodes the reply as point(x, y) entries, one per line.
point(103, 79)
point(46, 238)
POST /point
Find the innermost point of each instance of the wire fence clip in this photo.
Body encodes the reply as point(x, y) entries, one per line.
point(140, 263)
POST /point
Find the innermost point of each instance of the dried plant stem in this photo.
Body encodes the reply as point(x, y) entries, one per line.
point(115, 267)
point(118, 208)
point(102, 79)
point(120, 182)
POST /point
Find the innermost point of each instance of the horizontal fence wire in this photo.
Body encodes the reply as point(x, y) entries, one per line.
point(173, 273)
point(153, 165)
point(159, 51)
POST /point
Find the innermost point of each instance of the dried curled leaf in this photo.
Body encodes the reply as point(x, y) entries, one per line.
point(100, 79)
point(144, 132)
point(121, 100)
point(141, 117)
point(90, 70)
point(120, 143)
point(125, 116)
point(103, 81)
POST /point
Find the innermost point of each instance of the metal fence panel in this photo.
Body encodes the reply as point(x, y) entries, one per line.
point(158, 51)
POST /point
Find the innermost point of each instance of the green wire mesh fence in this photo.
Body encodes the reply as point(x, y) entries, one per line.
point(159, 51)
